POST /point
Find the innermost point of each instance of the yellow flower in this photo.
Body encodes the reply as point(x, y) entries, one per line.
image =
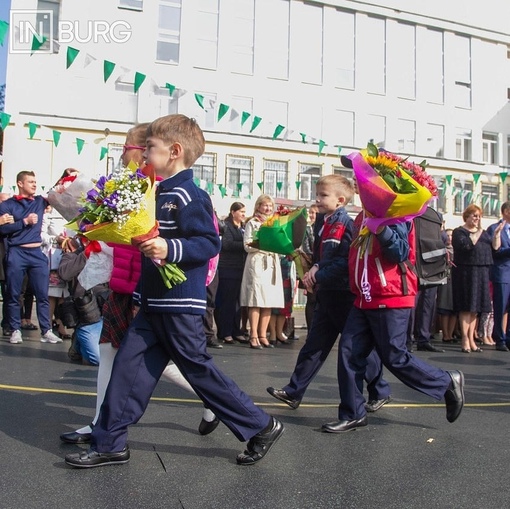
point(110, 186)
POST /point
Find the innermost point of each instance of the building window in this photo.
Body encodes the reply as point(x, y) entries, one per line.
point(345, 172)
point(343, 40)
point(404, 48)
point(439, 203)
point(205, 167)
point(463, 144)
point(49, 24)
point(242, 32)
point(462, 71)
point(167, 105)
point(490, 197)
point(463, 195)
point(239, 171)
point(206, 117)
point(435, 140)
point(169, 31)
point(406, 136)
point(431, 66)
point(128, 99)
point(310, 45)
point(206, 27)
point(490, 148)
point(371, 55)
point(372, 129)
point(275, 20)
point(276, 182)
point(136, 5)
point(308, 176)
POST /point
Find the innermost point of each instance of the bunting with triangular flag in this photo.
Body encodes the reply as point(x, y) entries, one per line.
point(5, 118)
point(4, 27)
point(476, 177)
point(200, 100)
point(37, 42)
point(71, 55)
point(56, 137)
point(104, 151)
point(79, 145)
point(255, 123)
point(139, 79)
point(108, 68)
point(32, 128)
point(278, 130)
point(222, 110)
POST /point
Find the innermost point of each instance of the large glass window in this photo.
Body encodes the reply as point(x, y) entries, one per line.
point(462, 71)
point(169, 31)
point(343, 41)
point(431, 66)
point(310, 26)
point(463, 195)
point(131, 4)
point(242, 31)
point(205, 47)
point(490, 148)
point(490, 197)
point(435, 140)
point(50, 23)
point(308, 176)
point(463, 144)
point(240, 171)
point(404, 49)
point(440, 202)
point(274, 19)
point(205, 167)
point(371, 55)
point(276, 182)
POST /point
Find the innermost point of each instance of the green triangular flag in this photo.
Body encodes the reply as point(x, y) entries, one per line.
point(255, 123)
point(139, 79)
point(200, 100)
point(448, 179)
point(476, 177)
point(104, 151)
point(279, 129)
point(222, 110)
point(171, 88)
point(239, 187)
point(32, 128)
point(79, 145)
point(5, 118)
point(303, 137)
point(196, 181)
point(322, 144)
point(37, 42)
point(223, 190)
point(108, 68)
point(244, 117)
point(261, 185)
point(279, 186)
point(4, 26)
point(72, 53)
point(298, 184)
point(503, 176)
point(210, 187)
point(56, 137)
point(339, 149)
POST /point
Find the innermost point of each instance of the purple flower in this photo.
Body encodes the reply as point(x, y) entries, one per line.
point(92, 194)
point(111, 201)
point(139, 174)
point(101, 182)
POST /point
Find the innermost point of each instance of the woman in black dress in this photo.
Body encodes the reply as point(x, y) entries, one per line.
point(227, 313)
point(470, 274)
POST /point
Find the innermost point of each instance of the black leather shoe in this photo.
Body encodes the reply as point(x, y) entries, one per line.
point(283, 396)
point(207, 427)
point(428, 347)
point(454, 395)
point(502, 347)
point(376, 404)
point(341, 426)
point(75, 438)
point(213, 344)
point(259, 445)
point(91, 459)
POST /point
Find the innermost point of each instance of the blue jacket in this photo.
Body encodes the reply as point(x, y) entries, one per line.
point(185, 216)
point(331, 250)
point(18, 233)
point(500, 270)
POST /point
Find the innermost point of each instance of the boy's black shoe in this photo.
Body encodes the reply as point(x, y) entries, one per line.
point(91, 459)
point(283, 396)
point(259, 445)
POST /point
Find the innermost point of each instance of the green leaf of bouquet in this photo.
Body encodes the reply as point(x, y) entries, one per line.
point(372, 150)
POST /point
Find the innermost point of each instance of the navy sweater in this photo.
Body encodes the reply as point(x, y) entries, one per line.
point(185, 216)
point(18, 233)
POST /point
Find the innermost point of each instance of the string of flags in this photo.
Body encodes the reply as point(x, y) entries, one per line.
point(280, 131)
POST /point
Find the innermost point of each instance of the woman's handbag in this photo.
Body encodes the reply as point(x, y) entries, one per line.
point(68, 312)
point(88, 308)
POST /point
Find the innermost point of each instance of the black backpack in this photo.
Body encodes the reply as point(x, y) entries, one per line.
point(431, 256)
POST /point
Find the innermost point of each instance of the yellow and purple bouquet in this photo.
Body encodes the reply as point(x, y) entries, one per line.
point(121, 208)
point(392, 189)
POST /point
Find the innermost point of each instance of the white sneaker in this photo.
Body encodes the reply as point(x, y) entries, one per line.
point(49, 337)
point(16, 337)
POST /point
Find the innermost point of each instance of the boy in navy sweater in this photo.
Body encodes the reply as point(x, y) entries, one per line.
point(169, 324)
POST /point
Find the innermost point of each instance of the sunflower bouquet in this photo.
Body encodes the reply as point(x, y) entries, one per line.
point(392, 189)
point(121, 208)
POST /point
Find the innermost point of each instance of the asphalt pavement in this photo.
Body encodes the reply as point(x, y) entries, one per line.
point(408, 456)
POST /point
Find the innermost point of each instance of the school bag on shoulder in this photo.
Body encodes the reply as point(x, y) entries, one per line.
point(431, 256)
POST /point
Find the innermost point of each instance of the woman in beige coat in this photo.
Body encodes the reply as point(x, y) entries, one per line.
point(262, 286)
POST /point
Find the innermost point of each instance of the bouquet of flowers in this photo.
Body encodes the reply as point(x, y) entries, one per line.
point(283, 233)
point(66, 194)
point(121, 208)
point(392, 189)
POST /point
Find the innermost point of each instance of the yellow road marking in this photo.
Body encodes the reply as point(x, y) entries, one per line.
point(303, 405)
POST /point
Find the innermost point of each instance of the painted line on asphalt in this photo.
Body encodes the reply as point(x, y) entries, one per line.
point(303, 405)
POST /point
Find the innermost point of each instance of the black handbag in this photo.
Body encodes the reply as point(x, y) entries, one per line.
point(68, 313)
point(88, 308)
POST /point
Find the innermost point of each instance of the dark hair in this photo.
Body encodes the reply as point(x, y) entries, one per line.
point(504, 206)
point(137, 135)
point(237, 205)
point(22, 174)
